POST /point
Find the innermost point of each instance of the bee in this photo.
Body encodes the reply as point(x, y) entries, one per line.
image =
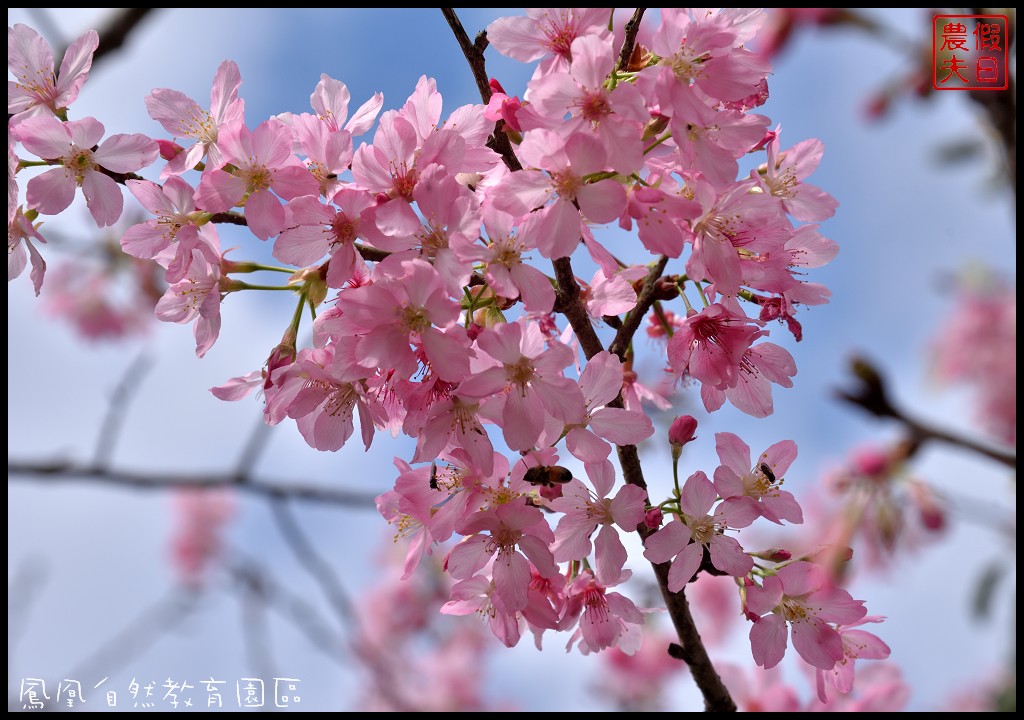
point(548, 476)
point(767, 471)
point(433, 476)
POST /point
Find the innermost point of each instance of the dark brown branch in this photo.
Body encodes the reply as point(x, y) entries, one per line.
point(872, 395)
point(632, 28)
point(648, 295)
point(114, 33)
point(568, 301)
point(118, 28)
point(716, 695)
point(60, 472)
point(474, 53)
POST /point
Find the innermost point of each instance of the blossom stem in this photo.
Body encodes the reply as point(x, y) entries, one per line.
point(659, 312)
point(239, 285)
point(659, 141)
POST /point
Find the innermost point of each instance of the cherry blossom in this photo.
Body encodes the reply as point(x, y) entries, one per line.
point(70, 145)
point(182, 117)
point(800, 596)
point(38, 88)
point(684, 540)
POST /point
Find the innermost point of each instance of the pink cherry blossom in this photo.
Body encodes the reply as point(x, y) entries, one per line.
point(197, 539)
point(409, 508)
point(331, 392)
point(516, 536)
point(706, 49)
point(182, 117)
point(710, 345)
point(561, 167)
point(857, 644)
point(759, 690)
point(70, 144)
point(635, 393)
point(684, 540)
point(504, 256)
point(736, 225)
point(584, 510)
point(503, 107)
point(546, 34)
point(760, 367)
point(783, 177)
point(640, 681)
point(454, 420)
point(38, 88)
point(606, 619)
point(609, 295)
point(20, 250)
point(263, 161)
point(614, 116)
point(532, 375)
point(800, 596)
point(601, 382)
point(91, 298)
point(195, 297)
point(478, 595)
point(406, 304)
point(177, 223)
point(315, 230)
point(758, 486)
point(660, 218)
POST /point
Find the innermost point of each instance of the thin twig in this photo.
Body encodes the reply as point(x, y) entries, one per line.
point(110, 428)
point(252, 451)
point(330, 584)
point(648, 294)
point(139, 635)
point(872, 395)
point(291, 605)
point(58, 472)
point(317, 567)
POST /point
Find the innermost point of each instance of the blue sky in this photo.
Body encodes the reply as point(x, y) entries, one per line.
point(905, 225)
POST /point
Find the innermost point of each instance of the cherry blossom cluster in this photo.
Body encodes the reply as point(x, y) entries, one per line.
point(419, 254)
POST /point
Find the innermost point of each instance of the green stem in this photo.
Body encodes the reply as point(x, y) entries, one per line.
point(658, 142)
point(239, 285)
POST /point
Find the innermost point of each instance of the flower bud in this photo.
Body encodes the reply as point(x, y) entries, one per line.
point(169, 149)
point(653, 518)
point(773, 554)
point(681, 432)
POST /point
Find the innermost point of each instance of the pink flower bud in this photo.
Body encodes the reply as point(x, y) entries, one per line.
point(653, 518)
point(681, 432)
point(169, 149)
point(773, 554)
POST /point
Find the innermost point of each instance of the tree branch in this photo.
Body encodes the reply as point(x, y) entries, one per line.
point(474, 53)
point(632, 28)
point(110, 428)
point(648, 295)
point(569, 303)
point(55, 472)
point(872, 395)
